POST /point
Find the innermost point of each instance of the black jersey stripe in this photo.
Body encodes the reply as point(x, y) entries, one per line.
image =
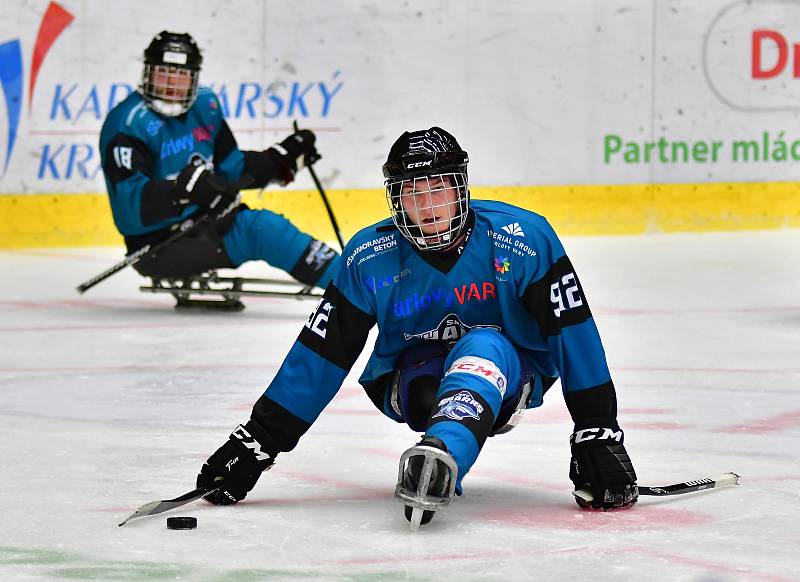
point(337, 330)
point(224, 143)
point(557, 300)
point(596, 402)
point(283, 428)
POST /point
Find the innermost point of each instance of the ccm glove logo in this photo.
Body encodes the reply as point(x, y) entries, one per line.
point(597, 434)
point(240, 433)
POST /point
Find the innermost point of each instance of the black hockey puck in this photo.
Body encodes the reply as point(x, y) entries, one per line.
point(181, 522)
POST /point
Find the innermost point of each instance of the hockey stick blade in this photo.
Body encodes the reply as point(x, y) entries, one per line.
point(724, 480)
point(155, 507)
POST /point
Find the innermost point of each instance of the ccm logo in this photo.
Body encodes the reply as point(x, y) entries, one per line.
point(419, 164)
point(773, 39)
point(241, 433)
point(588, 434)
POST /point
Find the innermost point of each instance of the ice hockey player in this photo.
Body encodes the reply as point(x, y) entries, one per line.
point(479, 311)
point(168, 153)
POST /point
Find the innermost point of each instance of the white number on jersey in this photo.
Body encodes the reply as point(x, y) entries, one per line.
point(319, 318)
point(566, 288)
point(122, 156)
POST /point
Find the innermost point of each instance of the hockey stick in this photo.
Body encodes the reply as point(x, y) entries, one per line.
point(155, 507)
point(178, 230)
point(325, 201)
point(724, 480)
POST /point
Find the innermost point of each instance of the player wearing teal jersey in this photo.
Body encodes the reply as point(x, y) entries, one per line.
point(479, 310)
point(168, 154)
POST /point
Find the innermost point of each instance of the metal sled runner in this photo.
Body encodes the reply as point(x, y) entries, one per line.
point(210, 291)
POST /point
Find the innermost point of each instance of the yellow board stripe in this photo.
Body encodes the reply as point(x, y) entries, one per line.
point(65, 220)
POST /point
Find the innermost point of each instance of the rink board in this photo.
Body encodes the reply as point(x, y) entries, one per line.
point(85, 219)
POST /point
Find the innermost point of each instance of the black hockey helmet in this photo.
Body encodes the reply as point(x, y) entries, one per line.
point(423, 152)
point(172, 63)
point(426, 165)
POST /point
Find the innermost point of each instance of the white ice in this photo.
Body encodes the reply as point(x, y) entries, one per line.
point(113, 399)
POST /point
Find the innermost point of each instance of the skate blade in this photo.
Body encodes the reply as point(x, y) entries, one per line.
point(416, 518)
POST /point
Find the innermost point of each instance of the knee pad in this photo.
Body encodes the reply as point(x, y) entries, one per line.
point(491, 355)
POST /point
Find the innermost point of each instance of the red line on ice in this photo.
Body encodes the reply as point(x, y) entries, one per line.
point(684, 369)
point(323, 480)
point(140, 368)
point(558, 517)
point(716, 567)
point(656, 425)
point(777, 423)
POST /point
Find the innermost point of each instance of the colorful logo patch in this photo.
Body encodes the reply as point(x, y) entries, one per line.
point(502, 265)
point(460, 407)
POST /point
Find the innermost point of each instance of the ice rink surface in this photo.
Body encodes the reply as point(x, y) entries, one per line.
point(114, 399)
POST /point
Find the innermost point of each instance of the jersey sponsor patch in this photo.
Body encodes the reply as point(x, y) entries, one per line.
point(420, 301)
point(459, 407)
point(378, 246)
point(374, 284)
point(319, 254)
point(451, 329)
point(512, 241)
point(153, 127)
point(502, 266)
point(482, 368)
point(514, 229)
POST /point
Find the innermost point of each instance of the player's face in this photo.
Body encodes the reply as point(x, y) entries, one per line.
point(171, 83)
point(430, 202)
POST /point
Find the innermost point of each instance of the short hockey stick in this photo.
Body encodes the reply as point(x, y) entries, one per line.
point(178, 230)
point(325, 200)
point(155, 507)
point(724, 480)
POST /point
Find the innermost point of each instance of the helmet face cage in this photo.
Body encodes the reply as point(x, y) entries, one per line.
point(172, 62)
point(169, 89)
point(430, 210)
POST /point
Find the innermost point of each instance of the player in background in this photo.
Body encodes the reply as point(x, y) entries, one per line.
point(168, 153)
point(479, 311)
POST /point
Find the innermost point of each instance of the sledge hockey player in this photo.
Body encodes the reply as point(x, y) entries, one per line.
point(167, 154)
point(479, 311)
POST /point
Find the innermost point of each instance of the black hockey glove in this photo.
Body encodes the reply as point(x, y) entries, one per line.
point(197, 185)
point(601, 464)
point(236, 466)
point(293, 154)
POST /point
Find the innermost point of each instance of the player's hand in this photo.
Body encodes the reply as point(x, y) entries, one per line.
point(236, 466)
point(294, 153)
point(601, 464)
point(198, 185)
